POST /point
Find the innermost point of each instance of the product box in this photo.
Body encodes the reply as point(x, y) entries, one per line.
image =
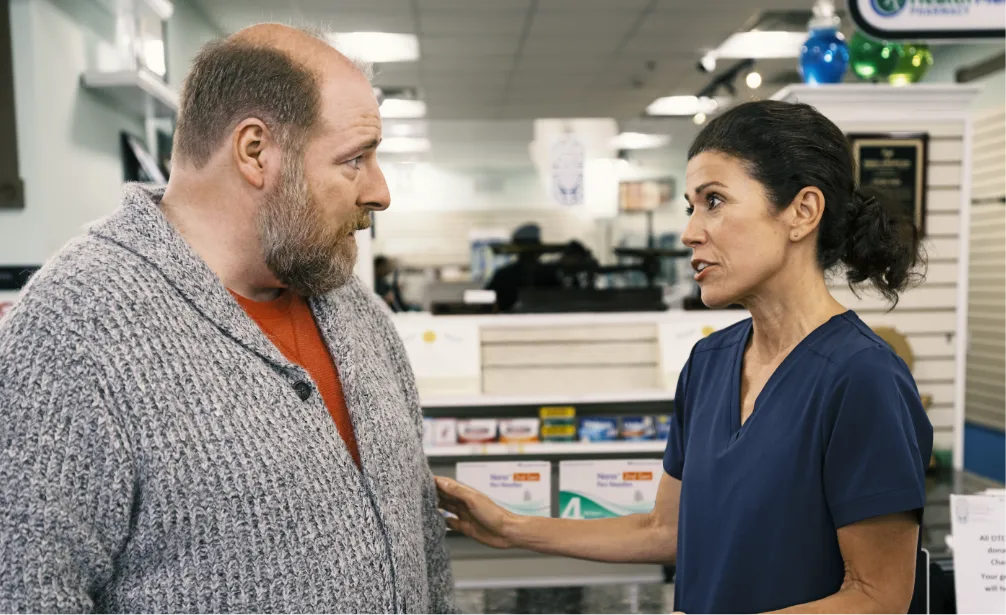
point(522, 487)
point(428, 431)
point(609, 488)
point(445, 432)
point(663, 424)
point(558, 424)
point(637, 428)
point(598, 429)
point(558, 432)
point(519, 430)
point(477, 431)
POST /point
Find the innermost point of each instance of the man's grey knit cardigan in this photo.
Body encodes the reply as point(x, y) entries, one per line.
point(158, 453)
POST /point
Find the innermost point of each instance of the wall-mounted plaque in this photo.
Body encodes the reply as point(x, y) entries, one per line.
point(894, 164)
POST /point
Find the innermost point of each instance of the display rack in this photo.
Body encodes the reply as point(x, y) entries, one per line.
point(480, 567)
point(548, 450)
point(504, 406)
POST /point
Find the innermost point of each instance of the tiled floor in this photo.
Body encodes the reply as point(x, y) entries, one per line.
point(598, 599)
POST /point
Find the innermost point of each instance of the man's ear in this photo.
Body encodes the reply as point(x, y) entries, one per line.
point(253, 150)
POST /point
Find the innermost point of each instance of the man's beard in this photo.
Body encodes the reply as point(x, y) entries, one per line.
point(301, 249)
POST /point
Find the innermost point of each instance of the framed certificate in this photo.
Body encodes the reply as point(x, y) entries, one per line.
point(894, 164)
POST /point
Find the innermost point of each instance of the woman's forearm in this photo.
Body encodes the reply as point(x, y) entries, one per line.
point(845, 601)
point(630, 539)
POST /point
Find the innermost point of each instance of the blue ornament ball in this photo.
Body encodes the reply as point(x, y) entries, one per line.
point(824, 57)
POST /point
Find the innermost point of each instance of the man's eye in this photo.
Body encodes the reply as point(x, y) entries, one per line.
point(355, 162)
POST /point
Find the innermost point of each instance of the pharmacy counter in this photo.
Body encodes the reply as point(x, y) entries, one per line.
point(553, 354)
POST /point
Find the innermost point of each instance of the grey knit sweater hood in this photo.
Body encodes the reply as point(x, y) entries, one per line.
point(156, 453)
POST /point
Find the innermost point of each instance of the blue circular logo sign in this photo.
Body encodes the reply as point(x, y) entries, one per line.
point(888, 8)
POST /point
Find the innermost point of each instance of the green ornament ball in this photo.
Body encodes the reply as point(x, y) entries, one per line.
point(872, 59)
point(914, 62)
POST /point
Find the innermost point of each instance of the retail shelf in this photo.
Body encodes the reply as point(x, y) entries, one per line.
point(133, 91)
point(466, 401)
point(626, 403)
point(547, 449)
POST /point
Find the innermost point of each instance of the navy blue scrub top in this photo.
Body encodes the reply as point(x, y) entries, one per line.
point(838, 435)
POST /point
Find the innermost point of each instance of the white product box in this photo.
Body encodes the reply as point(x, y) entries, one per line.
point(522, 487)
point(445, 432)
point(428, 431)
point(609, 488)
point(477, 431)
point(519, 430)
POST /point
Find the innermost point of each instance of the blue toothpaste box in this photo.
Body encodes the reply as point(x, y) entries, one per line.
point(598, 429)
point(663, 422)
point(638, 428)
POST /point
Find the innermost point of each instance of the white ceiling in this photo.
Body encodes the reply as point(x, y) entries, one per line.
point(509, 60)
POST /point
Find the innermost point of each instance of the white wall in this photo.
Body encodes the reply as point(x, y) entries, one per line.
point(948, 58)
point(187, 31)
point(68, 136)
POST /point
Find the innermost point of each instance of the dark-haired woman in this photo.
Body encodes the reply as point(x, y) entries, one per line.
point(795, 463)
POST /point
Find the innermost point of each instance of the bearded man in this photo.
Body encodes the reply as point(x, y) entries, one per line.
point(202, 410)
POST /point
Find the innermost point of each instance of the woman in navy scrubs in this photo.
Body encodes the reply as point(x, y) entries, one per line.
point(796, 458)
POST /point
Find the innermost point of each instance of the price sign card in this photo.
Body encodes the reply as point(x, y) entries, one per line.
point(978, 525)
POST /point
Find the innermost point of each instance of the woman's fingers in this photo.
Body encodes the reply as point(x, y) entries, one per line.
point(453, 507)
point(452, 503)
point(450, 488)
point(454, 493)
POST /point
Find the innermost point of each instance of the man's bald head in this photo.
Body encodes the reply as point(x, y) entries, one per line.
point(268, 71)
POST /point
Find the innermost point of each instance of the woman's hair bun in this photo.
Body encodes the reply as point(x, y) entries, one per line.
point(883, 246)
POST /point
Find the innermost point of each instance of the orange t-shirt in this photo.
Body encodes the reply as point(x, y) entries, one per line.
point(289, 323)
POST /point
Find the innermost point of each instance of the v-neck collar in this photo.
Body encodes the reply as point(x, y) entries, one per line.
point(736, 429)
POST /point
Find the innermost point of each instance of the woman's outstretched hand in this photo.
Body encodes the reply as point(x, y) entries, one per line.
point(477, 515)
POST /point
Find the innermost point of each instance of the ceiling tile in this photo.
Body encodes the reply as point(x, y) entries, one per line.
point(465, 113)
point(664, 47)
point(434, 73)
point(470, 45)
point(517, 6)
point(456, 79)
point(559, 64)
point(562, 63)
point(452, 23)
point(209, 5)
point(373, 6)
point(611, 24)
point(461, 61)
point(567, 45)
point(346, 21)
point(572, 6)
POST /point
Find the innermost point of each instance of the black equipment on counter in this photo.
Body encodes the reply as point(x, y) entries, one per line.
point(563, 300)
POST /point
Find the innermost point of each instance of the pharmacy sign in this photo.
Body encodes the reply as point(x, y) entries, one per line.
point(930, 19)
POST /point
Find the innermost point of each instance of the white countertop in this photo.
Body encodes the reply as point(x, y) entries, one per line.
point(577, 318)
